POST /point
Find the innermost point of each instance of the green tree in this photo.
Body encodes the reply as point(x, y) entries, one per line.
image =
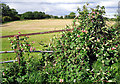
point(41, 15)
point(47, 16)
point(66, 17)
point(34, 15)
point(28, 15)
point(56, 17)
point(61, 17)
point(72, 15)
point(8, 14)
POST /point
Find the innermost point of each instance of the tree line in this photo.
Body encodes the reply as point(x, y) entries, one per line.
point(9, 14)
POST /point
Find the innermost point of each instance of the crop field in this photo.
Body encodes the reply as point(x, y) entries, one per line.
point(31, 26)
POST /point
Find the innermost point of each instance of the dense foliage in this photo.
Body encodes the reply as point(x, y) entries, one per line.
point(90, 52)
point(70, 16)
point(27, 69)
point(34, 15)
point(8, 14)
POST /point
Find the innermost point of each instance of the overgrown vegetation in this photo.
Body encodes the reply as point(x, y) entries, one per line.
point(90, 52)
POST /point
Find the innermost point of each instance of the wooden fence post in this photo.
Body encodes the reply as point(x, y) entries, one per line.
point(18, 58)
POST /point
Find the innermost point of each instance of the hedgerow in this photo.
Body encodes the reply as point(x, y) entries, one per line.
point(89, 53)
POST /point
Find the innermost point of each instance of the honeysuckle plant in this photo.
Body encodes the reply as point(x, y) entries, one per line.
point(20, 45)
point(87, 53)
point(21, 72)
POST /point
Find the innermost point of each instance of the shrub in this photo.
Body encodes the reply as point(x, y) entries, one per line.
point(27, 70)
point(88, 53)
point(16, 18)
point(6, 19)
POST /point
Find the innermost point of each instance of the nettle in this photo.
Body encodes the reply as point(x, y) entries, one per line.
point(87, 53)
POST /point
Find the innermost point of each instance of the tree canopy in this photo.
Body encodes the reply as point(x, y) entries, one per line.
point(70, 16)
point(8, 14)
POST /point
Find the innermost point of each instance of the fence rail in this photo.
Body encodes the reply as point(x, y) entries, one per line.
point(28, 35)
point(25, 51)
point(35, 33)
point(8, 61)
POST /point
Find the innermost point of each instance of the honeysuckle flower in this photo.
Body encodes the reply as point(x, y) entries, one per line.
point(78, 35)
point(92, 16)
point(11, 41)
point(98, 13)
point(22, 49)
point(96, 55)
point(98, 40)
point(61, 80)
point(3, 73)
point(31, 48)
point(19, 32)
point(33, 42)
point(98, 73)
point(47, 72)
point(88, 48)
point(29, 45)
point(27, 36)
point(113, 48)
point(84, 31)
point(88, 14)
point(74, 80)
point(116, 45)
point(16, 36)
point(108, 49)
point(110, 81)
point(102, 61)
point(93, 12)
point(87, 69)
